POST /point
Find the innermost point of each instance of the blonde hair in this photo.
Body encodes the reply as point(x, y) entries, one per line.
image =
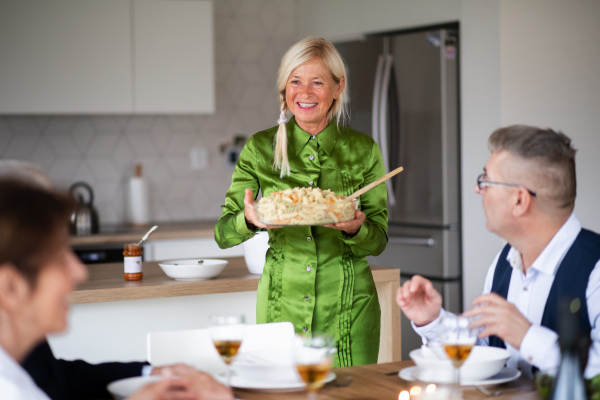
point(300, 53)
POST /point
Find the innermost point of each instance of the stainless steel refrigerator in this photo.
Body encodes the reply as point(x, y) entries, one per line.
point(404, 92)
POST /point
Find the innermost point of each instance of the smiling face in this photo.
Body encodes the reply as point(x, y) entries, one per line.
point(309, 93)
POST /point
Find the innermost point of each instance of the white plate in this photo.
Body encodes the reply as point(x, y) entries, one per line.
point(240, 382)
point(124, 388)
point(506, 374)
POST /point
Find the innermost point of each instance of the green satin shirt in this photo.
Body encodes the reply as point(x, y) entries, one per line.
point(318, 278)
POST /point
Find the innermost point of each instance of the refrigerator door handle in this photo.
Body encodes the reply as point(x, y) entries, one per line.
point(416, 241)
point(383, 110)
point(376, 96)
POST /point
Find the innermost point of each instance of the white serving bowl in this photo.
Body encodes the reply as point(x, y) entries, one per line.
point(483, 363)
point(266, 366)
point(192, 269)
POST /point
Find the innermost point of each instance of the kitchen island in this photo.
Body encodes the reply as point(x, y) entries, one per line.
point(110, 317)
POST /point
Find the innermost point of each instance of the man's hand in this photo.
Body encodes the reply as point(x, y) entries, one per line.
point(419, 300)
point(196, 384)
point(165, 389)
point(207, 388)
point(499, 317)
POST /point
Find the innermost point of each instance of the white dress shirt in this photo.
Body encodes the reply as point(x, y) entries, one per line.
point(15, 382)
point(529, 292)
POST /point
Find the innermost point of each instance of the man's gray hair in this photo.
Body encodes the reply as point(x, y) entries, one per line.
point(552, 155)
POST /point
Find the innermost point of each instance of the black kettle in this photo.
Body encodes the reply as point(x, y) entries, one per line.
point(84, 220)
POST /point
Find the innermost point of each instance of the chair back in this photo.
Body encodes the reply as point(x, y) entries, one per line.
point(195, 347)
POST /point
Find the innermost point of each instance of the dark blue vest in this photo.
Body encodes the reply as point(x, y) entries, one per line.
point(570, 280)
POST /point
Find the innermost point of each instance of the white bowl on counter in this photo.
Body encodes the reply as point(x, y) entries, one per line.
point(483, 363)
point(192, 269)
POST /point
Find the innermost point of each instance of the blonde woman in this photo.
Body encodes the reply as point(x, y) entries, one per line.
point(317, 277)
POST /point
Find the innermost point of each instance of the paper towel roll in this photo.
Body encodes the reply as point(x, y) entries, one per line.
point(138, 209)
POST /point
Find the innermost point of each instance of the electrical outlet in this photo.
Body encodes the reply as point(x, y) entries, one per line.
point(199, 158)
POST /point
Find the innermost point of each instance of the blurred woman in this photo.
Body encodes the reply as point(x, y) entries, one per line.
point(38, 271)
point(317, 277)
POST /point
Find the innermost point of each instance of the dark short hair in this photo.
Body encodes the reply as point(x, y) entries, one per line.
point(552, 153)
point(34, 224)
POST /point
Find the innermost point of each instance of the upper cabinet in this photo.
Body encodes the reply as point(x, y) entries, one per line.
point(106, 57)
point(174, 62)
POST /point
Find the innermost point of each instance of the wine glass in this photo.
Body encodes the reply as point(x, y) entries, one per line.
point(313, 356)
point(226, 333)
point(457, 339)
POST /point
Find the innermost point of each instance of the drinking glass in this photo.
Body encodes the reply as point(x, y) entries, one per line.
point(313, 356)
point(226, 333)
point(458, 340)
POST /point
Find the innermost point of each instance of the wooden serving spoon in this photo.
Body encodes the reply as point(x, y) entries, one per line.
point(375, 183)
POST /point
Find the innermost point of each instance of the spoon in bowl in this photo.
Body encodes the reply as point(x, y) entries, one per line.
point(147, 234)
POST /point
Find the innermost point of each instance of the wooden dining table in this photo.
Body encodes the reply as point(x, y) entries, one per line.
point(381, 382)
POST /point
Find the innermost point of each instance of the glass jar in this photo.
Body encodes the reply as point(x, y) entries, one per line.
point(132, 255)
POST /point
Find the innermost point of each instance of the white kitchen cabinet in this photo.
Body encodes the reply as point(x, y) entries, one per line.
point(188, 248)
point(106, 57)
point(174, 62)
point(65, 56)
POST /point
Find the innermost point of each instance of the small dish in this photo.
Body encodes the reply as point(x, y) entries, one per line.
point(240, 382)
point(506, 374)
point(192, 269)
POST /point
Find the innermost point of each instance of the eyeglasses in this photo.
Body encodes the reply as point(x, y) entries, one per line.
point(482, 183)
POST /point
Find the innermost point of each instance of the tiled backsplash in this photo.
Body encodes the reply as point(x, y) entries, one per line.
point(250, 38)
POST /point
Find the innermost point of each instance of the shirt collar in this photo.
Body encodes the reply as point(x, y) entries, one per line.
point(552, 255)
point(299, 138)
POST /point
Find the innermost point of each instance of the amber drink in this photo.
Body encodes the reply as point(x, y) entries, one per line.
point(313, 356)
point(227, 333)
point(228, 349)
point(458, 353)
point(313, 374)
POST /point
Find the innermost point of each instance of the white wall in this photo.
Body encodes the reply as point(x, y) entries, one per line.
point(526, 61)
point(550, 76)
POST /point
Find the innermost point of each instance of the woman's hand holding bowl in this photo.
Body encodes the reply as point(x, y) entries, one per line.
point(250, 213)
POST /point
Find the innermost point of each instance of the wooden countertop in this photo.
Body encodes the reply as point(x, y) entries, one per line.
point(124, 234)
point(106, 283)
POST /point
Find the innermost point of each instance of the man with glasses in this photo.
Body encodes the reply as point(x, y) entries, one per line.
point(528, 193)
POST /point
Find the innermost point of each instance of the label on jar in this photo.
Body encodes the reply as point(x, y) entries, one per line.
point(133, 265)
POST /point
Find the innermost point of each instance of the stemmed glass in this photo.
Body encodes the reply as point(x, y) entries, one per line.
point(458, 340)
point(227, 332)
point(313, 356)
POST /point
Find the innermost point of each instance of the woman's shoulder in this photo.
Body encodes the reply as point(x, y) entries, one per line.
point(356, 136)
point(263, 140)
point(268, 133)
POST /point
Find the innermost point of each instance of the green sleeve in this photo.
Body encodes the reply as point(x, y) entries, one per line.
point(231, 229)
point(372, 238)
